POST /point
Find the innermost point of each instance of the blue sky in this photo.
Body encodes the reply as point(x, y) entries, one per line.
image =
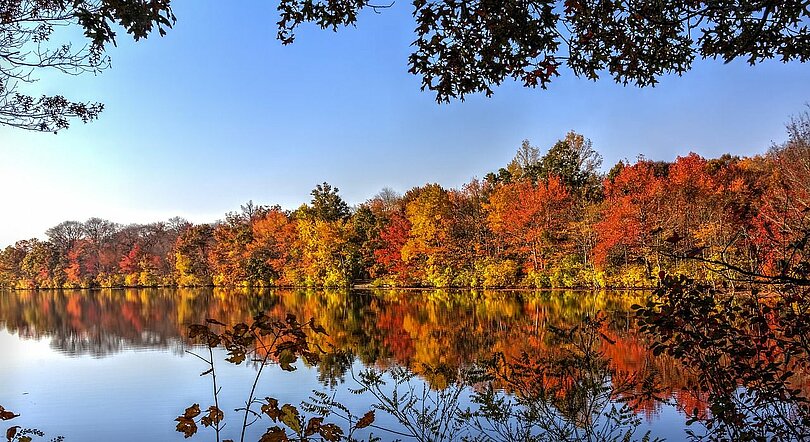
point(218, 112)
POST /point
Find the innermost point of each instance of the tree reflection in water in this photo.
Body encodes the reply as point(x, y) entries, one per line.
point(525, 364)
point(572, 393)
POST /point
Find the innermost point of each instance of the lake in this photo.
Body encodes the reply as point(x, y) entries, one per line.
point(115, 364)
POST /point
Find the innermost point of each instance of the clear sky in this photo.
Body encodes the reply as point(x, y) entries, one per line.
point(218, 112)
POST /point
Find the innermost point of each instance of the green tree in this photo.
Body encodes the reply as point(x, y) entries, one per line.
point(575, 162)
point(327, 205)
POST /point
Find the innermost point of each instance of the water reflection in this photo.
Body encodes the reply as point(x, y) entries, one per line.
point(380, 327)
point(383, 328)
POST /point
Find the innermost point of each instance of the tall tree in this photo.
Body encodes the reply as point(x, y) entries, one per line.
point(327, 205)
point(427, 249)
point(65, 234)
point(633, 211)
point(191, 256)
point(531, 218)
point(272, 252)
point(574, 161)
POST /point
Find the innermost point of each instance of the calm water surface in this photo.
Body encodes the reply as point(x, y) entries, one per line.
point(112, 364)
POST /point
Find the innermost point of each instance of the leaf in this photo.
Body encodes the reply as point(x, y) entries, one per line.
point(313, 426)
point(185, 425)
point(11, 432)
point(366, 420)
point(331, 432)
point(271, 409)
point(274, 434)
point(6, 415)
point(289, 417)
point(195, 330)
point(214, 417)
point(236, 356)
point(240, 329)
point(286, 359)
point(213, 321)
point(192, 411)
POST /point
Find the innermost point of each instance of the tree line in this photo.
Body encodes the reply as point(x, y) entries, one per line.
point(544, 220)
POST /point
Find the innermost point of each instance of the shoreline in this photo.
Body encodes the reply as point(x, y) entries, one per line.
point(358, 287)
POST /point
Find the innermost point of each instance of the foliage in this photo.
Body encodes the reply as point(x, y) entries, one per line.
point(263, 342)
point(546, 220)
point(18, 434)
point(27, 28)
point(327, 205)
point(748, 350)
point(466, 47)
point(460, 48)
point(567, 394)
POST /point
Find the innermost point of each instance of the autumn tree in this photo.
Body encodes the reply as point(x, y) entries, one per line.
point(631, 217)
point(783, 220)
point(100, 234)
point(388, 256)
point(228, 253)
point(10, 264)
point(65, 234)
point(690, 189)
point(191, 256)
point(532, 219)
point(43, 265)
point(364, 234)
point(82, 265)
point(272, 253)
point(428, 211)
point(472, 238)
point(326, 252)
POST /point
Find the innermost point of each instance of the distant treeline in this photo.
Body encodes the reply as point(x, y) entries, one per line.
point(544, 220)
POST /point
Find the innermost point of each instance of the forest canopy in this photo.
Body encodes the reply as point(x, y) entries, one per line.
point(460, 47)
point(546, 219)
